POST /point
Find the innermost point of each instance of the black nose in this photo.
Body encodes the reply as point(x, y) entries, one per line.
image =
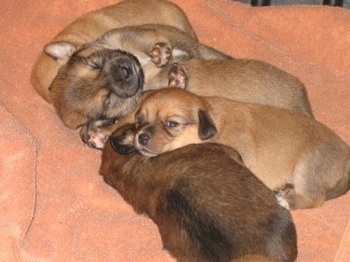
point(143, 139)
point(121, 73)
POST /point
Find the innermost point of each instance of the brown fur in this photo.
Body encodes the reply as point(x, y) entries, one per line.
point(95, 71)
point(85, 91)
point(292, 153)
point(125, 13)
point(244, 80)
point(206, 204)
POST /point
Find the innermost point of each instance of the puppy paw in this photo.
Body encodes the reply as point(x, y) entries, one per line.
point(161, 54)
point(95, 137)
point(282, 202)
point(280, 194)
point(177, 76)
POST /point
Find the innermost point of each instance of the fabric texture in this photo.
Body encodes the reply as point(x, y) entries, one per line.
point(54, 205)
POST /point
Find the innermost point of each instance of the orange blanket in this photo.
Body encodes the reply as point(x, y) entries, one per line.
point(53, 204)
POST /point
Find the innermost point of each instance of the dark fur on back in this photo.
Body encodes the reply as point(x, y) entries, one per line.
point(212, 242)
point(207, 205)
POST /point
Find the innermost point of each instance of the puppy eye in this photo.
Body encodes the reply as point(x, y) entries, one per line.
point(171, 124)
point(93, 65)
point(95, 61)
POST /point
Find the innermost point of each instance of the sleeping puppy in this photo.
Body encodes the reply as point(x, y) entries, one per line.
point(126, 13)
point(103, 79)
point(197, 196)
point(244, 80)
point(303, 160)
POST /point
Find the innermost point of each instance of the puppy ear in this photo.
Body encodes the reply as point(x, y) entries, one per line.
point(60, 51)
point(207, 127)
point(122, 140)
point(119, 147)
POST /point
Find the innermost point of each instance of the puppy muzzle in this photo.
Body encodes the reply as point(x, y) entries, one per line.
point(125, 76)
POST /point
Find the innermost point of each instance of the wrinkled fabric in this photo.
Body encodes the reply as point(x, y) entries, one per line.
point(54, 205)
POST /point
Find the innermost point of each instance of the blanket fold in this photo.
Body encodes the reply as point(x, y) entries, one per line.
point(54, 205)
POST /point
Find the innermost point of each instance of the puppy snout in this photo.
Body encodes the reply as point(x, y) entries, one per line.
point(143, 139)
point(121, 73)
point(124, 78)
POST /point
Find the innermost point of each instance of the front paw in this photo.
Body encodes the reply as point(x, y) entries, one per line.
point(95, 136)
point(161, 54)
point(177, 76)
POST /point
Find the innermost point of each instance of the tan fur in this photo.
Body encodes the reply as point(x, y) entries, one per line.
point(249, 81)
point(244, 80)
point(279, 146)
point(126, 13)
point(197, 196)
point(79, 96)
point(82, 93)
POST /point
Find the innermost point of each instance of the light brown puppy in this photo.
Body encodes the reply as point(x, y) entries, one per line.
point(197, 196)
point(243, 80)
point(290, 152)
point(125, 13)
point(103, 79)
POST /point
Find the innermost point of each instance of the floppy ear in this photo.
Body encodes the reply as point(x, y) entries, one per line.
point(119, 147)
point(207, 127)
point(123, 140)
point(60, 51)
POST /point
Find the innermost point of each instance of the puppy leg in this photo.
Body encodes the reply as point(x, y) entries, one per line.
point(294, 200)
point(161, 54)
point(95, 134)
point(177, 76)
point(291, 199)
point(281, 193)
point(312, 176)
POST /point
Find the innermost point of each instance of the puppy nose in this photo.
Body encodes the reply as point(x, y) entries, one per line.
point(143, 139)
point(126, 72)
point(121, 73)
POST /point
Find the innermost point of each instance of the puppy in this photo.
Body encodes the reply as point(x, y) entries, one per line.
point(130, 12)
point(100, 81)
point(197, 196)
point(294, 154)
point(244, 80)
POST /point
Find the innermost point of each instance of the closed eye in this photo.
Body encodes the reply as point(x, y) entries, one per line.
point(95, 61)
point(93, 65)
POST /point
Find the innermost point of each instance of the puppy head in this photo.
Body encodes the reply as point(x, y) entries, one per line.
point(171, 118)
point(94, 82)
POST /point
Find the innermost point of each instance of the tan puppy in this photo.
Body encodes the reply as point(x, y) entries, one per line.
point(125, 13)
point(288, 151)
point(244, 80)
point(104, 78)
point(197, 196)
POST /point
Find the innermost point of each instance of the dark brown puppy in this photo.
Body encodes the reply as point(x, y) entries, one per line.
point(207, 205)
point(99, 81)
point(283, 148)
point(125, 13)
